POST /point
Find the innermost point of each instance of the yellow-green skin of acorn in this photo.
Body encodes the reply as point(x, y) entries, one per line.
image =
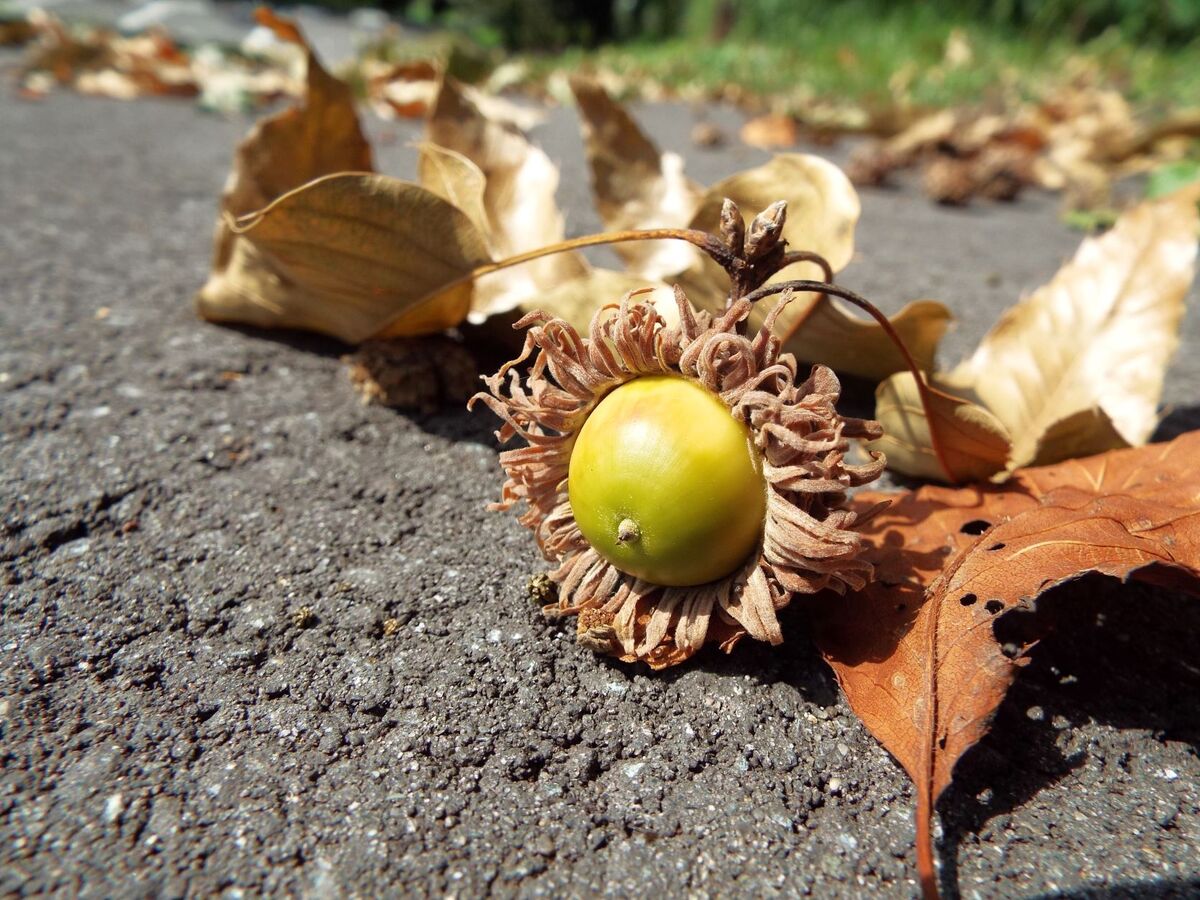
point(666, 484)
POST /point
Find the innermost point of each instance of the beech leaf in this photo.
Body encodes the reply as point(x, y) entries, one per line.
point(455, 179)
point(1097, 337)
point(916, 651)
point(371, 251)
point(974, 445)
point(829, 333)
point(518, 199)
point(635, 186)
point(318, 136)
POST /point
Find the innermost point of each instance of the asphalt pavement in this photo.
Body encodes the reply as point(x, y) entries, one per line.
point(204, 534)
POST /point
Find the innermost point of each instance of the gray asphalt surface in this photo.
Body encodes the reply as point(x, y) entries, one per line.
point(167, 727)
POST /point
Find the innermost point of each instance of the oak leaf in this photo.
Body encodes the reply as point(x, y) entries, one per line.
point(916, 651)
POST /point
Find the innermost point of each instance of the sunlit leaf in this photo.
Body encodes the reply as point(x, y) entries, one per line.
point(847, 342)
point(635, 186)
point(1098, 336)
point(518, 200)
point(366, 255)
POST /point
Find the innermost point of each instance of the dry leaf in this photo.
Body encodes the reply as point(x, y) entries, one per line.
point(318, 136)
point(916, 652)
point(771, 132)
point(823, 209)
point(634, 185)
point(403, 90)
point(362, 255)
point(518, 199)
point(847, 342)
point(1097, 337)
point(973, 444)
point(1076, 368)
point(455, 179)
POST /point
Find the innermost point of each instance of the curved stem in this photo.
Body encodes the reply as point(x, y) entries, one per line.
point(798, 256)
point(868, 307)
point(701, 239)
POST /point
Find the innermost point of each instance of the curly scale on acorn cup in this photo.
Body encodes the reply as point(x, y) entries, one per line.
point(681, 479)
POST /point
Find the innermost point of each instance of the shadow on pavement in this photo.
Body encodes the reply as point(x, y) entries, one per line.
point(1168, 889)
point(1120, 655)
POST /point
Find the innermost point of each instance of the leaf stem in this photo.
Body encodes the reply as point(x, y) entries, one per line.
point(926, 870)
point(867, 306)
point(701, 239)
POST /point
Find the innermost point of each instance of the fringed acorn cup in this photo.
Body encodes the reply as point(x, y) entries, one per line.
point(683, 482)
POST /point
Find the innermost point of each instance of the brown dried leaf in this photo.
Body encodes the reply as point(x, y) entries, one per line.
point(318, 136)
point(635, 186)
point(518, 199)
point(916, 652)
point(1097, 337)
point(771, 132)
point(354, 253)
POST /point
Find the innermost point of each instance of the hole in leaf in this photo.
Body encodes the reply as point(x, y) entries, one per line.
point(942, 742)
point(993, 606)
point(967, 599)
point(975, 526)
point(999, 545)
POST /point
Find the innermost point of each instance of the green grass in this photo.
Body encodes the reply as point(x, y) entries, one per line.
point(867, 61)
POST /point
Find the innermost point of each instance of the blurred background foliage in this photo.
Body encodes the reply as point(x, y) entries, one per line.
point(556, 24)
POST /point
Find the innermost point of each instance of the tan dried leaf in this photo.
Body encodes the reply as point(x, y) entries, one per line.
point(916, 652)
point(771, 132)
point(455, 179)
point(577, 300)
point(635, 186)
point(1097, 337)
point(318, 136)
point(822, 210)
point(518, 199)
point(974, 445)
point(362, 255)
point(829, 333)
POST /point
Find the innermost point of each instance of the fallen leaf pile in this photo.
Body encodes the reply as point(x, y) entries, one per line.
point(1078, 139)
point(1079, 135)
point(102, 63)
